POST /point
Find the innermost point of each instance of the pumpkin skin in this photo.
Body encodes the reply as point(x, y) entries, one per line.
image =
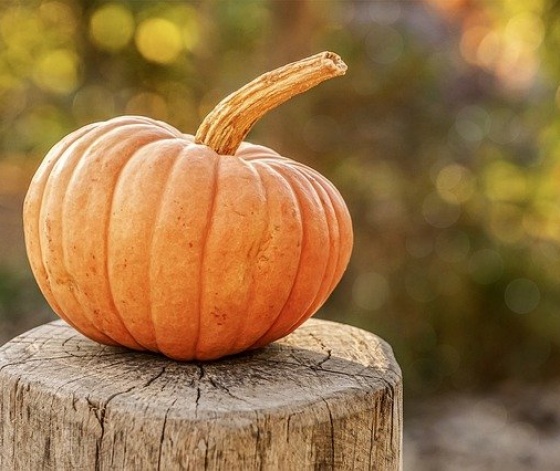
point(139, 237)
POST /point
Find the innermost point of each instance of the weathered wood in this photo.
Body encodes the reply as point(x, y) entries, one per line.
point(328, 396)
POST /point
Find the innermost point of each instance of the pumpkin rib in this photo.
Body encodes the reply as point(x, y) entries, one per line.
point(115, 127)
point(341, 263)
point(109, 218)
point(321, 295)
point(159, 124)
point(338, 204)
point(233, 243)
point(266, 229)
point(121, 121)
point(345, 228)
point(312, 307)
point(204, 237)
point(274, 288)
point(179, 244)
point(32, 233)
point(329, 281)
point(298, 271)
point(248, 152)
point(71, 148)
point(270, 157)
point(335, 242)
point(166, 189)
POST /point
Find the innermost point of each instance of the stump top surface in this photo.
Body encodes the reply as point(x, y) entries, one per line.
point(320, 361)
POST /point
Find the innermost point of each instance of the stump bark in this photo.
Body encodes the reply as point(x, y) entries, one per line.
point(327, 397)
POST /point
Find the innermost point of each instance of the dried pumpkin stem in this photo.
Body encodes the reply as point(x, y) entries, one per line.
point(228, 123)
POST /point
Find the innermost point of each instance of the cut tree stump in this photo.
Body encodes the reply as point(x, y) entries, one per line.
point(327, 397)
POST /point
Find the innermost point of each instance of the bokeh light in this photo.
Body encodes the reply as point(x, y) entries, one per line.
point(438, 212)
point(58, 71)
point(159, 40)
point(455, 183)
point(112, 27)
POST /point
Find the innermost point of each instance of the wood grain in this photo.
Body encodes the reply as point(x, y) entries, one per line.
point(327, 397)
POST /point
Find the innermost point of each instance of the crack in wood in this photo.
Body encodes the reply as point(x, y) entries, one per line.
point(162, 436)
point(226, 389)
point(156, 377)
point(333, 445)
point(324, 360)
point(360, 374)
point(201, 374)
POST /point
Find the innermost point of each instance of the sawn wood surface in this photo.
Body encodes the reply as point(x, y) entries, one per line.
point(327, 397)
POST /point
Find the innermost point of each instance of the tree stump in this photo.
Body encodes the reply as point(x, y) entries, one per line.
point(327, 397)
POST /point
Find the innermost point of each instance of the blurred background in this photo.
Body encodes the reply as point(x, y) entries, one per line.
point(443, 137)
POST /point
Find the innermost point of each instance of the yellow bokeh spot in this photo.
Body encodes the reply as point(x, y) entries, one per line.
point(505, 182)
point(111, 27)
point(159, 40)
point(455, 183)
point(57, 71)
point(20, 28)
point(527, 28)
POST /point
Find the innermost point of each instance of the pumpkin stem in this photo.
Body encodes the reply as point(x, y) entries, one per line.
point(229, 122)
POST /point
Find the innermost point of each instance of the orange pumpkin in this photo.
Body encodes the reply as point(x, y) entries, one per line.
point(193, 246)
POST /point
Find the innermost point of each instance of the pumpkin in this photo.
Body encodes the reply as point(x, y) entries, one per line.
point(193, 246)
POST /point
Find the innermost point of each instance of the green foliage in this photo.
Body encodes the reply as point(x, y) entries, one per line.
point(21, 305)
